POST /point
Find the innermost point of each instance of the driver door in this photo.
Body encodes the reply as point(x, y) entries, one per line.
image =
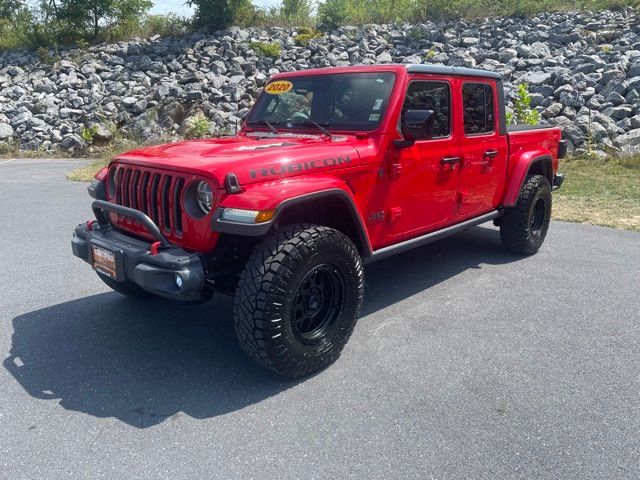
point(424, 177)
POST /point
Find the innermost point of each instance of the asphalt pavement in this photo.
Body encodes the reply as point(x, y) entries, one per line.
point(467, 362)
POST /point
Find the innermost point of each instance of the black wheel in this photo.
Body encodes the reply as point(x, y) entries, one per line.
point(298, 299)
point(524, 227)
point(126, 288)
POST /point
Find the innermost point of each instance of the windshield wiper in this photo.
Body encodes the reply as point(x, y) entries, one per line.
point(311, 123)
point(267, 123)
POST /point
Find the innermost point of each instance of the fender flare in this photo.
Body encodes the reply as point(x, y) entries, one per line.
point(521, 169)
point(334, 189)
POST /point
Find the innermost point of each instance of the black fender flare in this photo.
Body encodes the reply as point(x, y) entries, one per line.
point(259, 229)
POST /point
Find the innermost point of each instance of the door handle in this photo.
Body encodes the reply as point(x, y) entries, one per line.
point(491, 154)
point(451, 161)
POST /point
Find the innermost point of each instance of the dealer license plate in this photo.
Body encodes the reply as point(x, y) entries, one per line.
point(104, 261)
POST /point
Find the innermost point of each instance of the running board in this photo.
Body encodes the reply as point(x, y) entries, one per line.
point(432, 237)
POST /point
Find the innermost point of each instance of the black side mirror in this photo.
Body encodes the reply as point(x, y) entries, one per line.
point(417, 125)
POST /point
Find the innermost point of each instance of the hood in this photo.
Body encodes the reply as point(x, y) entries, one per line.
point(252, 159)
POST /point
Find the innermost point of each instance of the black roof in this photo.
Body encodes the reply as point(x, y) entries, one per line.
point(442, 70)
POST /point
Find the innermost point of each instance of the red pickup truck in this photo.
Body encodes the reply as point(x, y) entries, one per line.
point(332, 168)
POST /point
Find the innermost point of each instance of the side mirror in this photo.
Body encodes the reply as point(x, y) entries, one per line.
point(417, 125)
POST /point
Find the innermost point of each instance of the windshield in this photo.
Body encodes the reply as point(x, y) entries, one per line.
point(341, 101)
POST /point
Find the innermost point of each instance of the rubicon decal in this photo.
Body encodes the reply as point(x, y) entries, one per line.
point(273, 170)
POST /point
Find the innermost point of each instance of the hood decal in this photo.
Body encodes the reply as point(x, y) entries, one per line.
point(292, 167)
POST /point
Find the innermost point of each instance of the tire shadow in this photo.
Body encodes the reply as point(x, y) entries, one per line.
point(144, 362)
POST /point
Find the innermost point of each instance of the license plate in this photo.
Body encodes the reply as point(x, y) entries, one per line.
point(104, 261)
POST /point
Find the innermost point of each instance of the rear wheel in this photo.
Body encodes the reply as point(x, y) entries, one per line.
point(524, 227)
point(298, 299)
point(126, 288)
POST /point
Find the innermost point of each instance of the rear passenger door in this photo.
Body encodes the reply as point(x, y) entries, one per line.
point(484, 151)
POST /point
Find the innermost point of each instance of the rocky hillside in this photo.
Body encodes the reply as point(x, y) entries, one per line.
point(583, 70)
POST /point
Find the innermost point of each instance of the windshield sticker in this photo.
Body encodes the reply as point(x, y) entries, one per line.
point(377, 104)
point(374, 117)
point(278, 87)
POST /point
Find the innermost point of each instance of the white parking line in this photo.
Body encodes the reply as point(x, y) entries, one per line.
point(7, 161)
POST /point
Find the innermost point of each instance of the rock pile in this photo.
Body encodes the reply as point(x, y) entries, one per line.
point(583, 72)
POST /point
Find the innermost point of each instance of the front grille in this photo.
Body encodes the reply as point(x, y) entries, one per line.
point(156, 194)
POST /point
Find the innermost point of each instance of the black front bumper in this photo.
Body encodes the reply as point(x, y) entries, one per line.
point(135, 262)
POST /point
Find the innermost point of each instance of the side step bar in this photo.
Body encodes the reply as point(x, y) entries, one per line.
point(432, 237)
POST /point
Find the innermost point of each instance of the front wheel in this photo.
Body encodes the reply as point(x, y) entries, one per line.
point(524, 227)
point(298, 299)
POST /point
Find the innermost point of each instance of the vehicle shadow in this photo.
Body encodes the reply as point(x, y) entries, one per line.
point(145, 362)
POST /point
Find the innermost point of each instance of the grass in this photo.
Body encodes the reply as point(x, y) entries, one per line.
point(86, 173)
point(600, 192)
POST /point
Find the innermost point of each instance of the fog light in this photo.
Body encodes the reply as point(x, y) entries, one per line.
point(178, 280)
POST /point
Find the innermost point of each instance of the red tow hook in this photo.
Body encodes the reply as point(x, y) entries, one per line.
point(154, 248)
point(90, 225)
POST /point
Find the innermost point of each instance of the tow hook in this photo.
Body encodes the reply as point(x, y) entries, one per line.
point(155, 246)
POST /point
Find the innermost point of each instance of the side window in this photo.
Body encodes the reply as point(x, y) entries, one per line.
point(434, 96)
point(477, 102)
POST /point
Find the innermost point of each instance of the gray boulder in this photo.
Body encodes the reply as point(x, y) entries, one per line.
point(6, 131)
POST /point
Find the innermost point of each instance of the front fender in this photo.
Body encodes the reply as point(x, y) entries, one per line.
point(518, 173)
point(281, 194)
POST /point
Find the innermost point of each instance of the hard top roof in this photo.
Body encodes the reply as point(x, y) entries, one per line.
point(410, 68)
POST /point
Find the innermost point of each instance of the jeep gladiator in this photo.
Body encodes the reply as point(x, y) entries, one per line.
point(332, 168)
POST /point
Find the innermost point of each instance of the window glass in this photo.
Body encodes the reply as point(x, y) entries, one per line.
point(477, 101)
point(434, 96)
point(341, 101)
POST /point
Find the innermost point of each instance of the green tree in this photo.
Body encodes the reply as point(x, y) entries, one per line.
point(89, 16)
point(16, 25)
point(296, 9)
point(220, 14)
point(333, 13)
point(9, 8)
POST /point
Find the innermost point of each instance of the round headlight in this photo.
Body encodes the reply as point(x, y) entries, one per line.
point(204, 197)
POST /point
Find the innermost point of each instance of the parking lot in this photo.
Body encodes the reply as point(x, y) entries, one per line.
point(467, 362)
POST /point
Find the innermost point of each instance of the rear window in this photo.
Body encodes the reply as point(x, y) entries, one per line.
point(477, 101)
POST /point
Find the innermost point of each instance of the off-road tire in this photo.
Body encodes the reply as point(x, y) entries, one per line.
point(127, 289)
point(524, 227)
point(277, 287)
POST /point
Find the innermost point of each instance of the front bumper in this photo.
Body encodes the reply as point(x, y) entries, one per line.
point(135, 261)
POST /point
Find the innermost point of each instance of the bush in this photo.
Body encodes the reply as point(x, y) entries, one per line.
point(198, 126)
point(271, 50)
point(45, 57)
point(522, 111)
point(88, 133)
point(167, 25)
point(305, 35)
